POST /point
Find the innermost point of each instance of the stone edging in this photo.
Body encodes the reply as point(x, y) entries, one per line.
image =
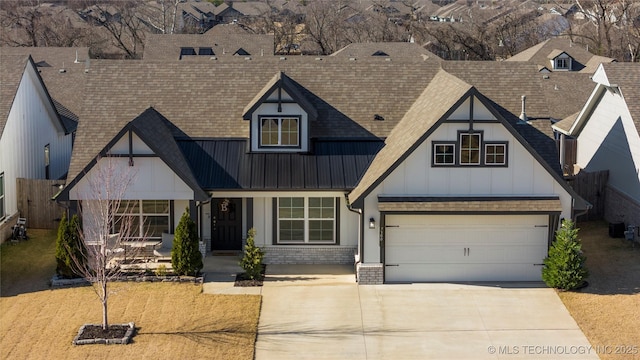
point(60, 282)
point(123, 341)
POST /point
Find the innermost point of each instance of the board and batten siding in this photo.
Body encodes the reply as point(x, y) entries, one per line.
point(524, 176)
point(32, 123)
point(611, 134)
point(152, 180)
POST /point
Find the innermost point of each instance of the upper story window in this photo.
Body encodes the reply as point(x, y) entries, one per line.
point(280, 131)
point(562, 62)
point(495, 154)
point(444, 154)
point(469, 150)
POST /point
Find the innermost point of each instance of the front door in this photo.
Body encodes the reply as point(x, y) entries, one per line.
point(226, 224)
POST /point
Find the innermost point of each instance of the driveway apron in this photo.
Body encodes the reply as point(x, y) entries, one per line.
point(319, 312)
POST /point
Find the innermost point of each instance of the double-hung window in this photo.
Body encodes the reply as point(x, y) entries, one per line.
point(139, 219)
point(280, 131)
point(469, 148)
point(2, 214)
point(306, 220)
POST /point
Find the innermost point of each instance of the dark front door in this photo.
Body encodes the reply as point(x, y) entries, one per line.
point(226, 224)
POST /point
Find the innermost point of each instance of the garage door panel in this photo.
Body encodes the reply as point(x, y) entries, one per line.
point(465, 247)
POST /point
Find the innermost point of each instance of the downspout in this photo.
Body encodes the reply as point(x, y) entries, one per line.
point(360, 233)
point(574, 218)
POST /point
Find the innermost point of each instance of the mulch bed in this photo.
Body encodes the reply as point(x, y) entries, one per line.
point(97, 332)
point(242, 280)
point(113, 334)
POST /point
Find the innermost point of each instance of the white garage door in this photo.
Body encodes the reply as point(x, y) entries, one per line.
point(465, 247)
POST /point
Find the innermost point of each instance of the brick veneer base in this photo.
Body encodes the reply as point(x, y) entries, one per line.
point(369, 274)
point(309, 255)
point(621, 208)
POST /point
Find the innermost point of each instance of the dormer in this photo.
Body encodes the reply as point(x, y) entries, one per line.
point(560, 61)
point(280, 117)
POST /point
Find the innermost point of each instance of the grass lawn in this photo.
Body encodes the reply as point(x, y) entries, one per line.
point(608, 310)
point(173, 321)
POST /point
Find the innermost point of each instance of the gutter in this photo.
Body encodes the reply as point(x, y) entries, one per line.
point(360, 232)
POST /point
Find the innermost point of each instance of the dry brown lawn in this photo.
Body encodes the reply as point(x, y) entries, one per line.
point(174, 321)
point(608, 310)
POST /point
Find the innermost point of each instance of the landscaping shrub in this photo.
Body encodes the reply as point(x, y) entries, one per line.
point(186, 258)
point(70, 251)
point(565, 266)
point(252, 260)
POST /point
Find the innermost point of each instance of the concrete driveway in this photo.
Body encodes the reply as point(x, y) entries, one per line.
point(318, 312)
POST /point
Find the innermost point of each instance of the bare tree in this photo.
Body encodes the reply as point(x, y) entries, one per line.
point(325, 21)
point(602, 19)
point(123, 23)
point(105, 226)
point(162, 16)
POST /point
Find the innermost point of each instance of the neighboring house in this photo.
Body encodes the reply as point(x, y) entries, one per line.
point(560, 54)
point(220, 41)
point(36, 139)
point(418, 170)
point(388, 51)
point(607, 130)
point(237, 11)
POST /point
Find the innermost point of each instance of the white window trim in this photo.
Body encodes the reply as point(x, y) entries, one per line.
point(479, 162)
point(567, 61)
point(141, 216)
point(435, 154)
point(280, 119)
point(306, 220)
point(504, 154)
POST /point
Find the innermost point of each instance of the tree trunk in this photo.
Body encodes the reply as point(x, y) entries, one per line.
point(105, 322)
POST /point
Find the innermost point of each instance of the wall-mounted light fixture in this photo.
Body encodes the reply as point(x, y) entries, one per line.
point(372, 223)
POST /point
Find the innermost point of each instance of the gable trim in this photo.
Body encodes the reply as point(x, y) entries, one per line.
point(280, 82)
point(129, 130)
point(358, 203)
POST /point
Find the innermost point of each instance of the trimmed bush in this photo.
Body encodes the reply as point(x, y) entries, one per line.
point(565, 266)
point(251, 263)
point(70, 252)
point(186, 258)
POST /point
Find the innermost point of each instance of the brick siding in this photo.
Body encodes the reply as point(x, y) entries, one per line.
point(309, 255)
point(369, 274)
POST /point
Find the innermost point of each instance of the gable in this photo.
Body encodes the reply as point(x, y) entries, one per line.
point(147, 143)
point(473, 109)
point(446, 124)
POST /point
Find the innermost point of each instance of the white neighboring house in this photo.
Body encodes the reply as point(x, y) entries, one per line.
point(35, 142)
point(607, 130)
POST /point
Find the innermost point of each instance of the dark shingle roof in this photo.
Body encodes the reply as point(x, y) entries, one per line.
point(158, 133)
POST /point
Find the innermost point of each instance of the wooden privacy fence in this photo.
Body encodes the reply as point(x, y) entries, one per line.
point(591, 187)
point(35, 204)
